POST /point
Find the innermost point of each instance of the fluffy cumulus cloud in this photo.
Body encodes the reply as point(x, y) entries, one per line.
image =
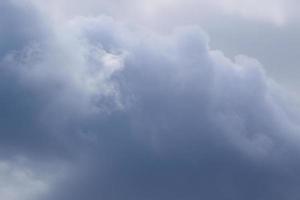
point(92, 108)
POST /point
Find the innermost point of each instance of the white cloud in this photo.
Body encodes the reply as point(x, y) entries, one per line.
point(276, 12)
point(19, 182)
point(267, 11)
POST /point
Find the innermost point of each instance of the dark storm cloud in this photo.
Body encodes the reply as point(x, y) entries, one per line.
point(19, 24)
point(196, 125)
point(19, 27)
point(48, 81)
point(136, 115)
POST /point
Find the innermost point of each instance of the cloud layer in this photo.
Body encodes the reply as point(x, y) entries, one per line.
point(275, 12)
point(115, 111)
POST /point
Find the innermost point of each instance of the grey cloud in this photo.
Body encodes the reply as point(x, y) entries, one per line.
point(195, 125)
point(49, 81)
point(132, 114)
point(267, 31)
point(19, 24)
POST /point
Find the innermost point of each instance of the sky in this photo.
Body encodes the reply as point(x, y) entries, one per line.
point(149, 100)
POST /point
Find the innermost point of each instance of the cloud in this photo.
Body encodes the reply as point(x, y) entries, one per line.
point(20, 182)
point(276, 12)
point(133, 114)
point(266, 11)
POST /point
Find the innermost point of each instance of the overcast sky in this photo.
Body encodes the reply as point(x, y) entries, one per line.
point(267, 30)
point(149, 100)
